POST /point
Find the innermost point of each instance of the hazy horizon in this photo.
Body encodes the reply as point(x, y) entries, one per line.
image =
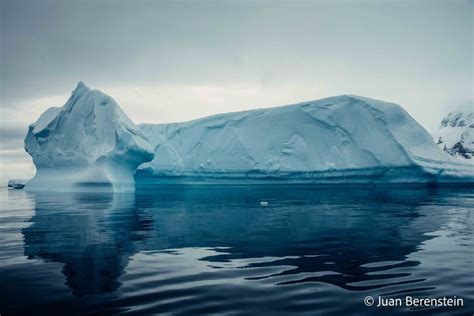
point(175, 61)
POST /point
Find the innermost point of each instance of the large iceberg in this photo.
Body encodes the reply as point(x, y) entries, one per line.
point(343, 139)
point(89, 143)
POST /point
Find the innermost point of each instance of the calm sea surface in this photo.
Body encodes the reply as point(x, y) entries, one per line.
point(208, 250)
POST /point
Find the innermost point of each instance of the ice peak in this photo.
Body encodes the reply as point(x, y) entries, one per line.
point(88, 140)
point(80, 88)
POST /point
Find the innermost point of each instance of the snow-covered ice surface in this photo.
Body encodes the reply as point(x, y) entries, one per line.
point(343, 139)
point(89, 143)
point(456, 133)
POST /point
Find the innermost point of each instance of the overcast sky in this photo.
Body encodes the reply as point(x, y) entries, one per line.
point(167, 61)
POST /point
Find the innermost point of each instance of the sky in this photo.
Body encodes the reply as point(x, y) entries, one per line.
point(167, 61)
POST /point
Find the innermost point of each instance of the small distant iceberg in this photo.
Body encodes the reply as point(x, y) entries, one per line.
point(91, 144)
point(16, 184)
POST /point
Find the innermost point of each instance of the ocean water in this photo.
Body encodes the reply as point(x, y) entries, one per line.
point(210, 250)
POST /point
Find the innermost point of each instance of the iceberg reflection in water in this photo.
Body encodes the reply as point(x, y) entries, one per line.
point(217, 250)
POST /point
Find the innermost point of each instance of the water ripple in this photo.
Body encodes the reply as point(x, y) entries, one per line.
point(187, 251)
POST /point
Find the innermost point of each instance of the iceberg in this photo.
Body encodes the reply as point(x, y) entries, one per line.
point(89, 143)
point(16, 184)
point(342, 139)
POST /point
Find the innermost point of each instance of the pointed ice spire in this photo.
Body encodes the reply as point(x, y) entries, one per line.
point(80, 88)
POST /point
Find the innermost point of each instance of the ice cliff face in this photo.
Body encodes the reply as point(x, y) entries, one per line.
point(345, 139)
point(456, 133)
point(89, 142)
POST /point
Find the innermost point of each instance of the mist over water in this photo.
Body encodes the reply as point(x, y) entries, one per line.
point(189, 250)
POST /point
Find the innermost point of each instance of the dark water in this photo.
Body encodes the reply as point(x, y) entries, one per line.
point(187, 251)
